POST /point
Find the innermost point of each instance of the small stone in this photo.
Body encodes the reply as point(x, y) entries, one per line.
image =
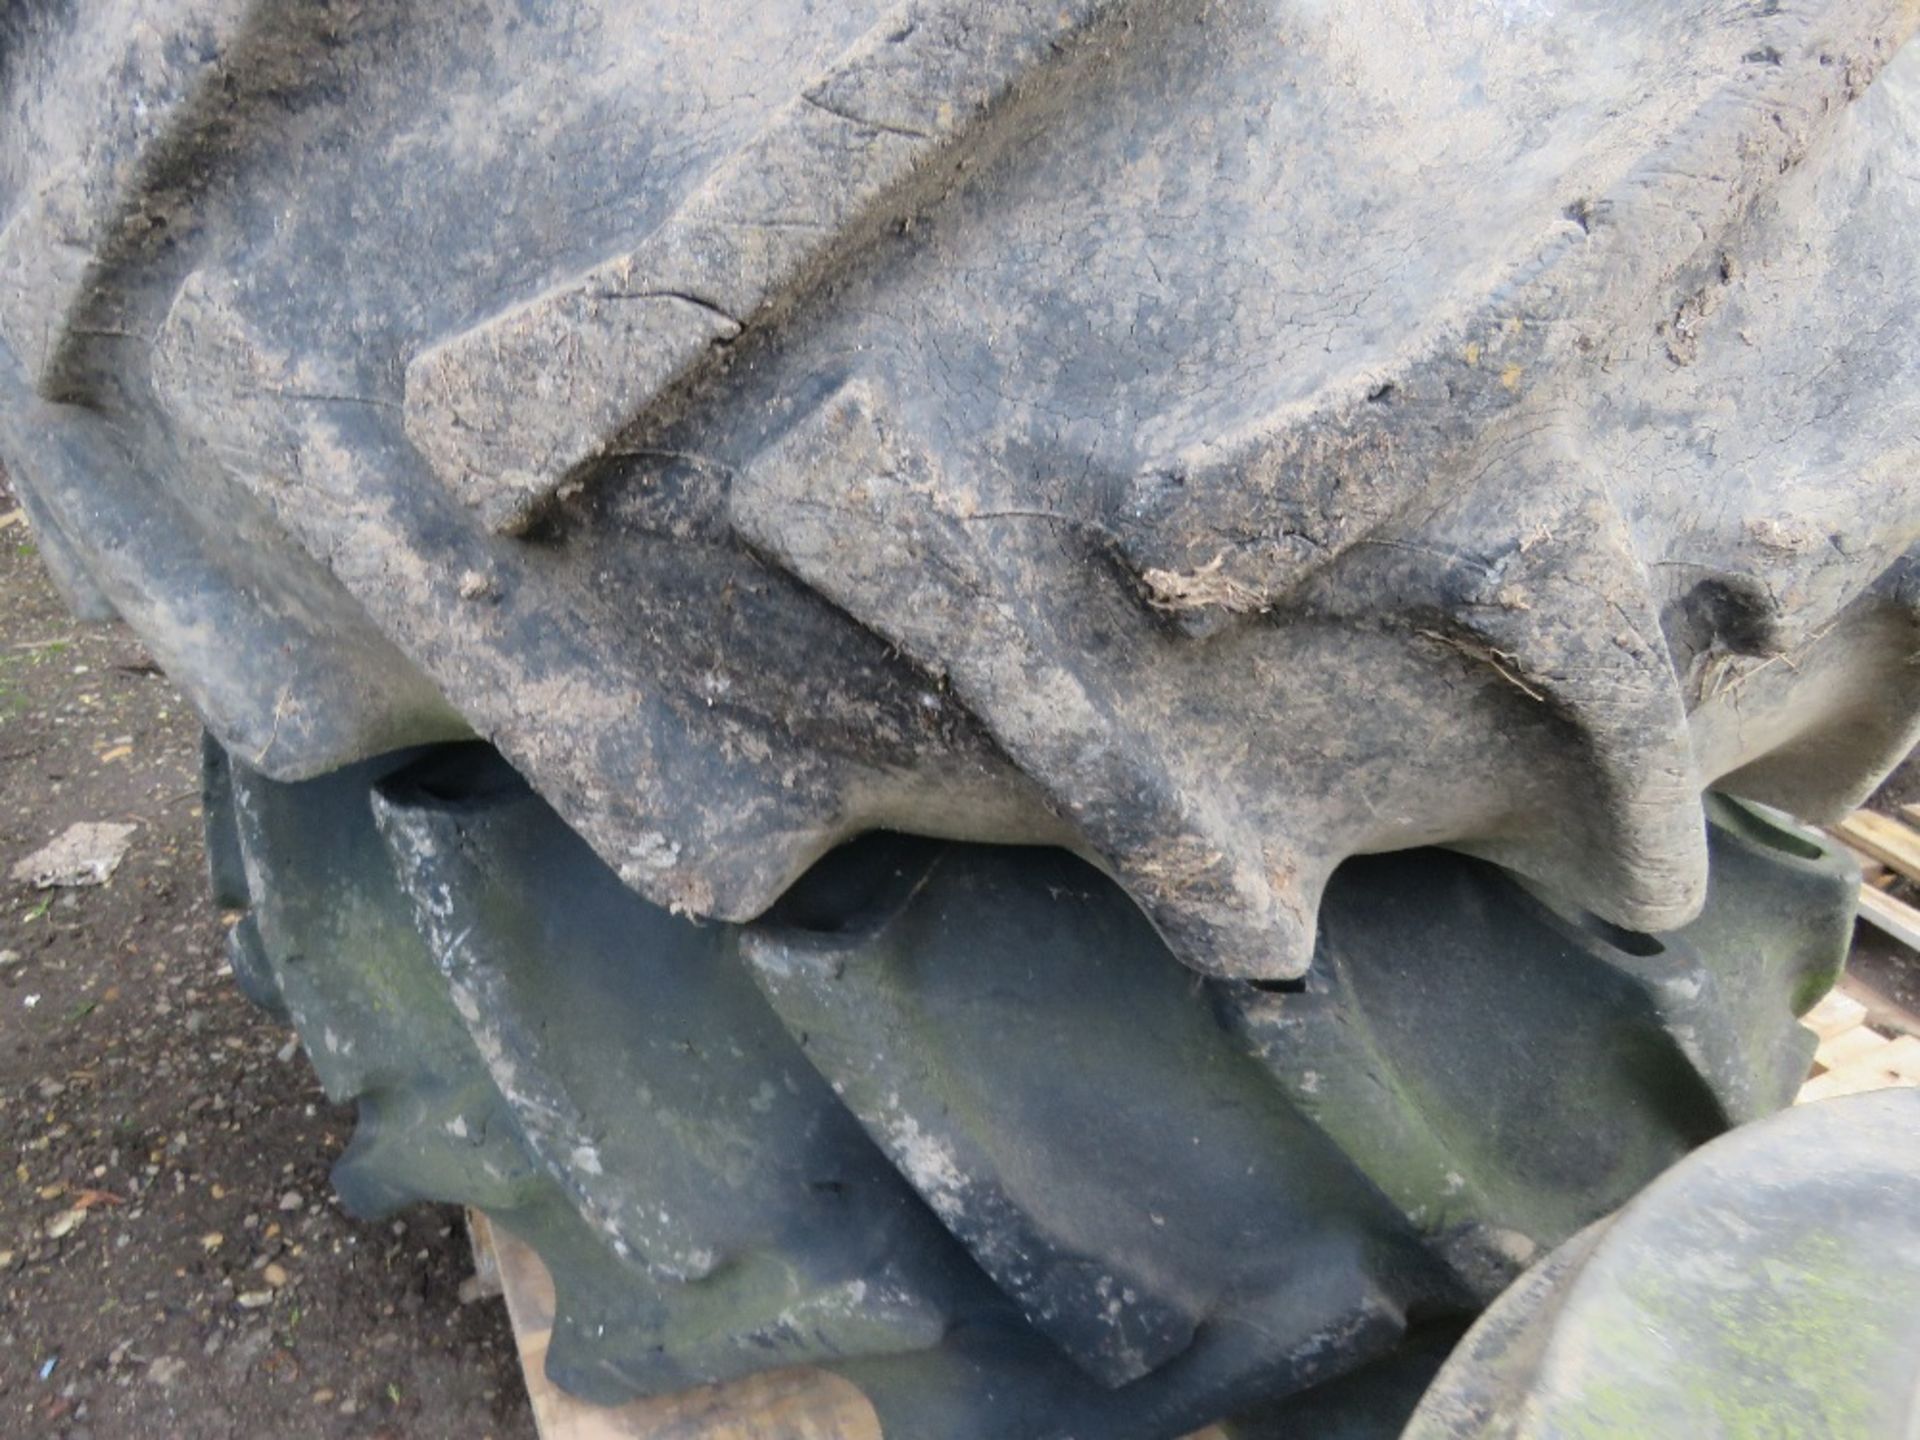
point(166, 1371)
point(292, 1200)
point(475, 586)
point(250, 1344)
point(275, 1275)
point(254, 1299)
point(323, 1396)
point(9, 958)
point(65, 1223)
point(212, 1241)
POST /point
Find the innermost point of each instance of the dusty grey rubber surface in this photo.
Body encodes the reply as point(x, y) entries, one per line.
point(1217, 436)
point(954, 1122)
point(1769, 1284)
point(1238, 444)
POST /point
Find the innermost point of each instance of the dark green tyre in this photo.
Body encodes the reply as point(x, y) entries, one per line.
point(1086, 709)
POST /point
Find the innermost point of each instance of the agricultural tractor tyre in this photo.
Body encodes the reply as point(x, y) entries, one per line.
point(1084, 710)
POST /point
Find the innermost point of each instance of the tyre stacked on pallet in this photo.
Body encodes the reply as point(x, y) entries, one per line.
point(952, 1121)
point(985, 541)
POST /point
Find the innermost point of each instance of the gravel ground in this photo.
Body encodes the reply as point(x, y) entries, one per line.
point(172, 1259)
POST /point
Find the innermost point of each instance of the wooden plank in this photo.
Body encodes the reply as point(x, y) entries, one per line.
point(484, 1283)
point(1846, 1047)
point(1872, 872)
point(778, 1405)
point(1890, 916)
point(1853, 1056)
point(1884, 1013)
point(1896, 1063)
point(1834, 1015)
point(1887, 840)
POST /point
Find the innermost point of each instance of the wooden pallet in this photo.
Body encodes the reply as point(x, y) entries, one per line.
point(781, 1405)
point(1852, 1057)
point(1887, 851)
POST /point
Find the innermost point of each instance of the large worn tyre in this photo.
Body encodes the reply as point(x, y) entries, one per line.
point(951, 1120)
point(1122, 655)
point(1795, 1310)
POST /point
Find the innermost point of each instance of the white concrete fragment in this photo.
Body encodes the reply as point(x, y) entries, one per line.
point(85, 854)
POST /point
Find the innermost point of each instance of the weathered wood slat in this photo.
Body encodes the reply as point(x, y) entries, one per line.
point(1885, 839)
point(1891, 916)
point(1885, 1012)
point(1847, 1047)
point(1836, 1014)
point(778, 1405)
point(1893, 1063)
point(1853, 1056)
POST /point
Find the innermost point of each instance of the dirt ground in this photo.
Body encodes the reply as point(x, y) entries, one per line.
point(172, 1259)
